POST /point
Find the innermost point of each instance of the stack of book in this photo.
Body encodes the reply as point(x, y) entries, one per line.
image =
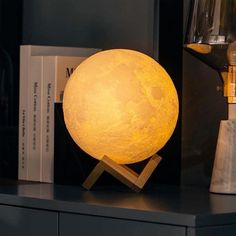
point(44, 71)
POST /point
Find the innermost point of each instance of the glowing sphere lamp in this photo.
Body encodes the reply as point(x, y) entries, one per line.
point(121, 107)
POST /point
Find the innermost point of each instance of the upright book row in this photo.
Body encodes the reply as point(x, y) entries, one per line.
point(44, 71)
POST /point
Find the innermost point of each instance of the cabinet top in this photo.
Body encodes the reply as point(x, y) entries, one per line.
point(187, 206)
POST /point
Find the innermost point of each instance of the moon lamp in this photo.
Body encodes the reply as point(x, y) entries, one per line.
point(120, 107)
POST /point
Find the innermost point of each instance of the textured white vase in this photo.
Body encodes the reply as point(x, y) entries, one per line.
point(223, 178)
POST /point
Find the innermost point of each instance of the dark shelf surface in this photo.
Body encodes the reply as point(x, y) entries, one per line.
point(186, 206)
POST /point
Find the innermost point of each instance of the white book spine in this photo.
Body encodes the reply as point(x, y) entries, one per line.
point(49, 72)
point(34, 109)
point(23, 113)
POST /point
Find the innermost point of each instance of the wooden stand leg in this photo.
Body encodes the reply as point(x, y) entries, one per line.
point(148, 170)
point(123, 173)
point(94, 175)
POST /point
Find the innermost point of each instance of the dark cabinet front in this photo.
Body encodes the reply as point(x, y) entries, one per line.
point(75, 224)
point(27, 222)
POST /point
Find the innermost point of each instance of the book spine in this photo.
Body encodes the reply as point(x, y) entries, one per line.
point(23, 113)
point(49, 70)
point(56, 72)
point(34, 109)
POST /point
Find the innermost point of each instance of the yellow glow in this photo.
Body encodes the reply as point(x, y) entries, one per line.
point(120, 103)
point(200, 48)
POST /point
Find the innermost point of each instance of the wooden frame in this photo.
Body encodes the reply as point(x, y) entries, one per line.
point(122, 173)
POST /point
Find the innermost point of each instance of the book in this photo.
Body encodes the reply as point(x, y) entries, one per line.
point(27, 52)
point(35, 118)
point(23, 114)
point(56, 72)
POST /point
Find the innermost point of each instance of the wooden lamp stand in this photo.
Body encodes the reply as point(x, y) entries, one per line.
point(122, 173)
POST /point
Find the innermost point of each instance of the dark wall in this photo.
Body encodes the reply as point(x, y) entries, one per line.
point(203, 108)
point(170, 57)
point(10, 39)
point(10, 29)
point(101, 24)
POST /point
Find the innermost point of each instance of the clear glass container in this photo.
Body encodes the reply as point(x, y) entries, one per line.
point(211, 34)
